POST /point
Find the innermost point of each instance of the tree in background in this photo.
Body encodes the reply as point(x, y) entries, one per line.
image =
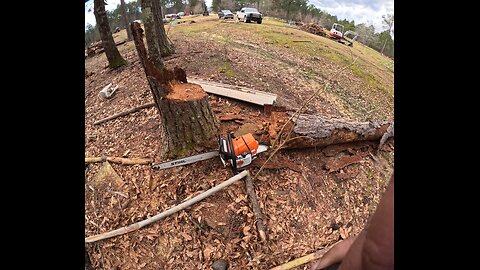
point(114, 58)
point(164, 45)
point(125, 19)
point(114, 20)
point(216, 5)
point(91, 34)
point(366, 34)
point(388, 22)
point(157, 40)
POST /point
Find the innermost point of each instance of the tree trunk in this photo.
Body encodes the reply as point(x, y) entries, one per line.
point(114, 58)
point(164, 45)
point(148, 22)
point(125, 19)
point(187, 119)
point(318, 131)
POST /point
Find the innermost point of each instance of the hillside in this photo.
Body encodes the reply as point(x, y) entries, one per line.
point(305, 210)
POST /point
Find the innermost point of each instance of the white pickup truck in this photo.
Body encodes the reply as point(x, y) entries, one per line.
point(249, 14)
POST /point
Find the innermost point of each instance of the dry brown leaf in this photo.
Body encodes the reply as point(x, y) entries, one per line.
point(246, 230)
point(186, 236)
point(207, 251)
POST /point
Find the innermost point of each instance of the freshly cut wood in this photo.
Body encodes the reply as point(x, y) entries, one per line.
point(123, 161)
point(187, 119)
point(132, 110)
point(314, 29)
point(173, 210)
point(317, 130)
point(230, 117)
point(255, 207)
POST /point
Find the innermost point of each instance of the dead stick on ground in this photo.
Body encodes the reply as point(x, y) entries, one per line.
point(125, 113)
point(123, 161)
point(138, 225)
point(302, 260)
point(256, 208)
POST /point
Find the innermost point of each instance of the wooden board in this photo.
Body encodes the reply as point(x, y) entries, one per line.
point(236, 92)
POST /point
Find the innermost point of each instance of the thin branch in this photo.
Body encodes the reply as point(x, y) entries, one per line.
point(143, 223)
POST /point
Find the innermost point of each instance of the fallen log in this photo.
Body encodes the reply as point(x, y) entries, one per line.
point(123, 161)
point(173, 210)
point(255, 207)
point(318, 131)
point(148, 105)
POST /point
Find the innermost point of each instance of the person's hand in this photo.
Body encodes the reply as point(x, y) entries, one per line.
point(334, 255)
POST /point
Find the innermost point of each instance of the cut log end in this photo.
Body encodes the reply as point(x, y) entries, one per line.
point(185, 92)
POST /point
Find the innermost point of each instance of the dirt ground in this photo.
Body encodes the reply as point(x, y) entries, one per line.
point(304, 211)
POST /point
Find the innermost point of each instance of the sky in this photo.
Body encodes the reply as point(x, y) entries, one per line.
point(90, 18)
point(361, 11)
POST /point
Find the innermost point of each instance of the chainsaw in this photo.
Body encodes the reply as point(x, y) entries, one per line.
point(236, 153)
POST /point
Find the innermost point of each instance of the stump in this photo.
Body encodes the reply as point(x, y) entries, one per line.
point(187, 119)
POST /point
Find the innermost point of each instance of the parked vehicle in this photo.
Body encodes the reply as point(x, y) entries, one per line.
point(181, 14)
point(172, 16)
point(225, 14)
point(249, 14)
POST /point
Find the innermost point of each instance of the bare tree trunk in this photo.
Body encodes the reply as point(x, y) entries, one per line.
point(126, 19)
point(164, 45)
point(148, 22)
point(114, 58)
point(385, 43)
point(186, 117)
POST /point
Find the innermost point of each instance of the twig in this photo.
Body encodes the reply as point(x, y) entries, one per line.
point(117, 192)
point(123, 161)
point(138, 225)
point(125, 113)
point(302, 260)
point(256, 208)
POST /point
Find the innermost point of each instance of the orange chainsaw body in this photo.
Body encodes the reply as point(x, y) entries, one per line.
point(240, 144)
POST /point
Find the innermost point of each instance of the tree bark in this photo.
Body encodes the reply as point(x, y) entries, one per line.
point(186, 117)
point(114, 58)
point(149, 24)
point(126, 19)
point(318, 131)
point(164, 45)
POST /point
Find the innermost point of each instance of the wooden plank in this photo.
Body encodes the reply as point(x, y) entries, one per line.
point(235, 92)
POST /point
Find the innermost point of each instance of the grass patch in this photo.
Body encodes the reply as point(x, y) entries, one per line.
point(227, 69)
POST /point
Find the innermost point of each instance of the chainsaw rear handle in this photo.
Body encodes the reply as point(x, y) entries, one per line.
point(227, 151)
